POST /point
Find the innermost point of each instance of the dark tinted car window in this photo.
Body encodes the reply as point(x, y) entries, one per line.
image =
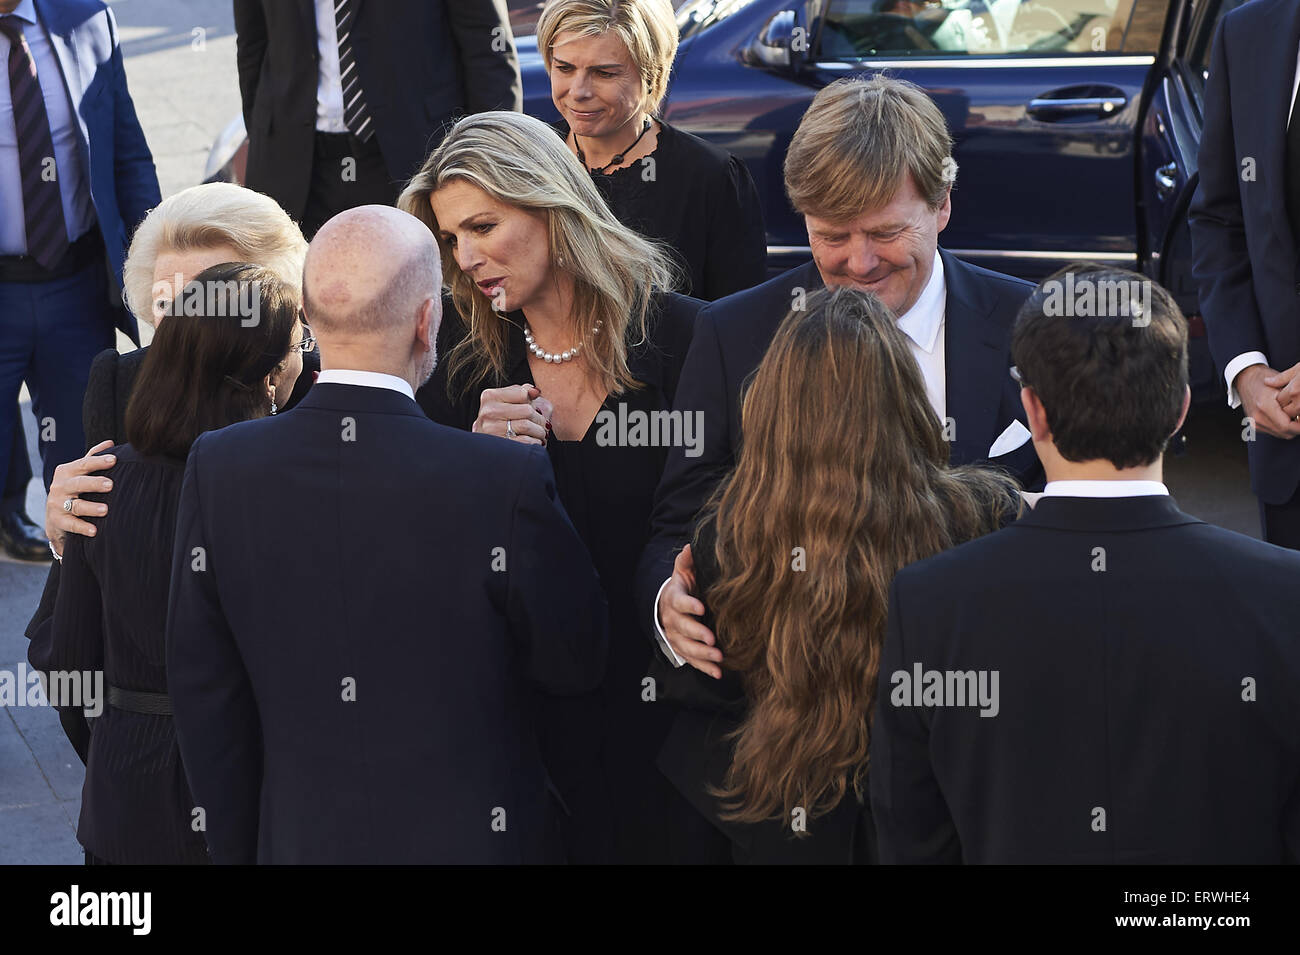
point(860, 28)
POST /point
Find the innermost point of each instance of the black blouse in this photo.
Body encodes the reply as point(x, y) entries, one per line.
point(702, 202)
point(601, 749)
point(110, 615)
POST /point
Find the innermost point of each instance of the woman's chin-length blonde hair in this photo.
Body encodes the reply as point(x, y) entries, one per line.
point(521, 162)
point(206, 216)
point(648, 28)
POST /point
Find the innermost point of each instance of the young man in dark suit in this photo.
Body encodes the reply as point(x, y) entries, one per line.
point(344, 707)
point(870, 168)
point(353, 94)
point(1108, 680)
point(1245, 226)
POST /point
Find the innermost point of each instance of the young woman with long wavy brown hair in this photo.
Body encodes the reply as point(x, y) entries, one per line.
point(842, 480)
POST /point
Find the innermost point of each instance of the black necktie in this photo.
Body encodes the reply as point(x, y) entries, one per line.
point(47, 231)
point(356, 115)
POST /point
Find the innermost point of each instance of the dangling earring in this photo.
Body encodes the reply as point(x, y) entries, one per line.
point(274, 409)
point(559, 261)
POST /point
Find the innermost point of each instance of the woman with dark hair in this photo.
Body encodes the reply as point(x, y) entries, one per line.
point(209, 366)
point(794, 557)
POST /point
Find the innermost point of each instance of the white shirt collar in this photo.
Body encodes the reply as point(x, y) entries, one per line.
point(1104, 489)
point(921, 322)
point(369, 379)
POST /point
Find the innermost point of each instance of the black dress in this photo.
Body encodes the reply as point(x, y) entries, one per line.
point(697, 754)
point(701, 201)
point(600, 748)
point(110, 616)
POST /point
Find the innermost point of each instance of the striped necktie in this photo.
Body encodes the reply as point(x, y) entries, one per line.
point(47, 232)
point(356, 115)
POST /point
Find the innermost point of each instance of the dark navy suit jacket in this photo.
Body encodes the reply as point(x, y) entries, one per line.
point(731, 337)
point(123, 182)
point(1245, 259)
point(1125, 728)
point(360, 601)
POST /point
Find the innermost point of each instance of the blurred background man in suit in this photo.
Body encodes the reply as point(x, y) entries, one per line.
point(343, 99)
point(76, 176)
point(1108, 680)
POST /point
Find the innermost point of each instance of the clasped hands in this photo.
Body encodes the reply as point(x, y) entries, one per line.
point(1271, 399)
point(516, 412)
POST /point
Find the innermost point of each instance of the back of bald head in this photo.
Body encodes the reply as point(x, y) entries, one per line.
point(368, 271)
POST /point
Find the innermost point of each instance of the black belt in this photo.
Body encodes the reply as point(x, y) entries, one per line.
point(23, 268)
point(137, 701)
point(342, 145)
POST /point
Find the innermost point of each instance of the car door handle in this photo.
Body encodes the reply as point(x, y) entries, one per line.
point(1048, 109)
point(1166, 179)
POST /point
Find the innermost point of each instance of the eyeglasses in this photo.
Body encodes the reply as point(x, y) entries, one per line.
point(308, 343)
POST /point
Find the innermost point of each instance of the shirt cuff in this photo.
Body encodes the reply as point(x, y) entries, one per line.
point(1235, 368)
point(664, 645)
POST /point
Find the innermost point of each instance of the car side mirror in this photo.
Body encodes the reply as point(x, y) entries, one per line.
point(781, 44)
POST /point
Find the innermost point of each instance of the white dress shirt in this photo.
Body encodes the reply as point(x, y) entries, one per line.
point(74, 187)
point(1246, 359)
point(368, 379)
point(329, 87)
point(923, 324)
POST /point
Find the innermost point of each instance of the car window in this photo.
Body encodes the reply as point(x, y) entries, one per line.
point(854, 29)
point(696, 15)
point(1198, 52)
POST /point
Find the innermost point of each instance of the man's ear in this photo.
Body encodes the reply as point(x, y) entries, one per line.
point(944, 212)
point(1187, 403)
point(426, 328)
point(1036, 415)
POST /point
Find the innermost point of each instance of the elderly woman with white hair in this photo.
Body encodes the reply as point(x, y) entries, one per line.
point(189, 232)
point(563, 334)
point(609, 62)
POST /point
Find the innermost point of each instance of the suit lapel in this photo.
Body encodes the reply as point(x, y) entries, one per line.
point(975, 362)
point(307, 10)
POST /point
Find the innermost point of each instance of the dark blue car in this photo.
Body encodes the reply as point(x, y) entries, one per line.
point(1076, 121)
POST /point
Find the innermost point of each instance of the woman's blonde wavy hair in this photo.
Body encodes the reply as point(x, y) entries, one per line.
point(520, 161)
point(843, 457)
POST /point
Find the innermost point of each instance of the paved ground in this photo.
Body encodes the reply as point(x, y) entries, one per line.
point(185, 90)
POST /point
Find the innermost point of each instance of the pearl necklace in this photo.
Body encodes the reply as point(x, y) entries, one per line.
point(546, 356)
